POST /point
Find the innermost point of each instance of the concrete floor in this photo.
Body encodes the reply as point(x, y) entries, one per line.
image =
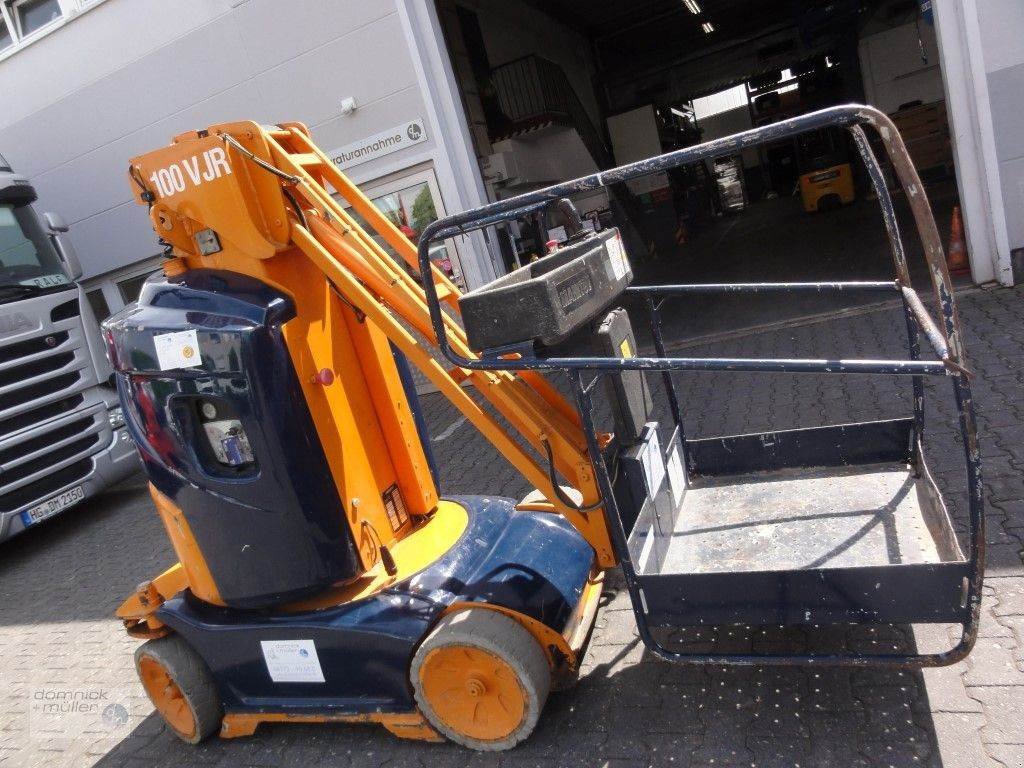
point(61, 582)
point(776, 241)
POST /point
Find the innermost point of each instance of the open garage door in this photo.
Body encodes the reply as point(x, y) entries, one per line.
point(561, 88)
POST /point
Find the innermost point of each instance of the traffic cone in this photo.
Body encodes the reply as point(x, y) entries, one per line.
point(956, 258)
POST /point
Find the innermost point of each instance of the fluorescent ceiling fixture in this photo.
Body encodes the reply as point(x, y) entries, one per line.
point(692, 6)
point(787, 74)
point(708, 27)
point(723, 101)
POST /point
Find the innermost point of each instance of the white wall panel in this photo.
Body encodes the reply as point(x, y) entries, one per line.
point(275, 32)
point(366, 64)
point(93, 45)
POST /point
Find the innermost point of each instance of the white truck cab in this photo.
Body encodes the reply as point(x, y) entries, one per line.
point(62, 435)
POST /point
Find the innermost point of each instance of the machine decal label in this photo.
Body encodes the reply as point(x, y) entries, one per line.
point(676, 476)
point(826, 176)
point(177, 350)
point(617, 257)
point(654, 464)
point(198, 169)
point(292, 661)
point(574, 291)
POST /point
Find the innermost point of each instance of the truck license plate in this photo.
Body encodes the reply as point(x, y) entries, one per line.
point(52, 506)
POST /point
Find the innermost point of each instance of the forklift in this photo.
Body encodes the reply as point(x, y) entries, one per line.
point(826, 175)
point(322, 576)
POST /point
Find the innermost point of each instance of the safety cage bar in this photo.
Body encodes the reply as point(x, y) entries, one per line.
point(944, 339)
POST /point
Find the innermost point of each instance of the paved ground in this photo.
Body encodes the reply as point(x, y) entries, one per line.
point(776, 241)
point(59, 585)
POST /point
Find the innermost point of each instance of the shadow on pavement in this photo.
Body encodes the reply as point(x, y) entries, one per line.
point(631, 708)
point(776, 241)
point(81, 564)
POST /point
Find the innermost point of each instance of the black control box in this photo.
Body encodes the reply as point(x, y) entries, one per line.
point(546, 300)
point(626, 390)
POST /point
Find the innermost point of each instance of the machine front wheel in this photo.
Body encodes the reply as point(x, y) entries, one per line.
point(481, 679)
point(180, 685)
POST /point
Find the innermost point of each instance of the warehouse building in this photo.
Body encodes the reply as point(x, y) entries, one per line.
point(434, 107)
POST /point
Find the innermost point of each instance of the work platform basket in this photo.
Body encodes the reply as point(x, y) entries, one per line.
point(766, 528)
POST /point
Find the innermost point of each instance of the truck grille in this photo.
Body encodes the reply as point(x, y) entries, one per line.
point(31, 467)
point(42, 441)
point(27, 466)
point(45, 486)
point(47, 433)
point(35, 368)
point(32, 346)
point(37, 390)
point(42, 413)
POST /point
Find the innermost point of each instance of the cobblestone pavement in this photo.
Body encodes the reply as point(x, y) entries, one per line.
point(59, 585)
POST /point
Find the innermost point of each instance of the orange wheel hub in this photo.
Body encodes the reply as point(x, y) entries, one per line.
point(474, 692)
point(167, 696)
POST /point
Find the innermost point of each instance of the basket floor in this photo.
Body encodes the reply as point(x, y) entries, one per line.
point(798, 519)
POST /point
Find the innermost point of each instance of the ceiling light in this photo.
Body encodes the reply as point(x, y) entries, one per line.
point(708, 27)
point(692, 6)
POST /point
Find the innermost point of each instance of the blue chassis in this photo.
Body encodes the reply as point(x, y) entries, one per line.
point(533, 563)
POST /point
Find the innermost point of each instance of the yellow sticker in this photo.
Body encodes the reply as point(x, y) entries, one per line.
point(624, 348)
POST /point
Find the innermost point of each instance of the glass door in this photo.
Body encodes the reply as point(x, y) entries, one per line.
point(412, 201)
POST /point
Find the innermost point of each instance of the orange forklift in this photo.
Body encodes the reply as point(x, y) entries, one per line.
point(826, 175)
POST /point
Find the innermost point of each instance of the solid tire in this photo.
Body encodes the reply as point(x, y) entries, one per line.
point(503, 637)
point(193, 677)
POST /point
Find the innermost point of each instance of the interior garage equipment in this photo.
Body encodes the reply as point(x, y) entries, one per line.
point(323, 578)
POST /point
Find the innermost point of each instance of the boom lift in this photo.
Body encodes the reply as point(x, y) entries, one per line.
point(322, 578)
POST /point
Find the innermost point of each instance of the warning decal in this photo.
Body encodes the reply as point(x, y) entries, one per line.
point(177, 350)
point(292, 661)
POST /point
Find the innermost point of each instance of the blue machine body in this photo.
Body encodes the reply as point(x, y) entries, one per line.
point(532, 563)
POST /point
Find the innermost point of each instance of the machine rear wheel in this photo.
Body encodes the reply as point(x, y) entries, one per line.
point(481, 679)
point(180, 685)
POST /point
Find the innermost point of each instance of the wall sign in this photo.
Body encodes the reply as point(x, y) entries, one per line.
point(378, 145)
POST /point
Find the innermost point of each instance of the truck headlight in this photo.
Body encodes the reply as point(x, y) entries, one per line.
point(115, 416)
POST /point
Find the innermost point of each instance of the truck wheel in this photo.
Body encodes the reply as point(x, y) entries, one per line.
point(481, 679)
point(180, 685)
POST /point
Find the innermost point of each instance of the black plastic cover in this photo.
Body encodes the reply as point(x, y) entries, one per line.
point(270, 530)
point(627, 390)
point(547, 300)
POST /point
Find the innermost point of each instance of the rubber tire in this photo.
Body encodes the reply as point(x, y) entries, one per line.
point(191, 674)
point(829, 202)
point(504, 637)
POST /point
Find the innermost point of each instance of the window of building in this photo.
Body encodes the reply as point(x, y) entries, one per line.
point(99, 305)
point(32, 15)
point(24, 21)
point(723, 101)
point(6, 39)
point(131, 287)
